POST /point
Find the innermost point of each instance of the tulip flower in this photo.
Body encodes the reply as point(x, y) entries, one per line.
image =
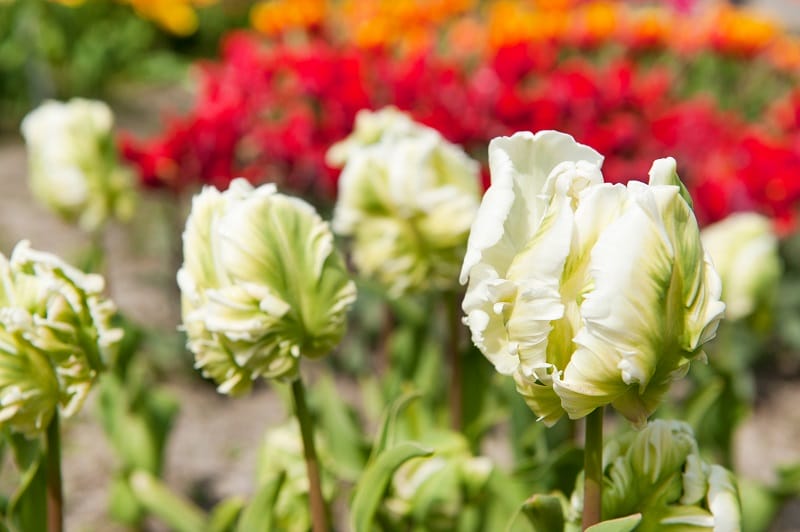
point(432, 491)
point(588, 293)
point(73, 162)
point(55, 335)
point(407, 197)
point(659, 473)
point(744, 248)
point(262, 285)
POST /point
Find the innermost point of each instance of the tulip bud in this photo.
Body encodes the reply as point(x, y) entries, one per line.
point(744, 249)
point(73, 162)
point(55, 334)
point(588, 293)
point(261, 284)
point(433, 490)
point(407, 197)
point(658, 472)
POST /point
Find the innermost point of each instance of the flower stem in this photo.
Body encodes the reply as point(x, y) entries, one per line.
point(454, 354)
point(55, 498)
point(319, 518)
point(593, 468)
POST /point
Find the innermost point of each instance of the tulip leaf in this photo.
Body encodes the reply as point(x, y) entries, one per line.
point(342, 433)
point(258, 515)
point(225, 515)
point(621, 524)
point(370, 489)
point(762, 505)
point(123, 505)
point(545, 512)
point(26, 508)
point(180, 514)
point(386, 431)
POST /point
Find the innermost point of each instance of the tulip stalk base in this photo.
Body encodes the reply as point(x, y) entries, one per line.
point(55, 497)
point(319, 518)
point(593, 469)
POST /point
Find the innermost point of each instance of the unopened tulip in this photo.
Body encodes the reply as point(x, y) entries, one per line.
point(659, 473)
point(74, 169)
point(407, 197)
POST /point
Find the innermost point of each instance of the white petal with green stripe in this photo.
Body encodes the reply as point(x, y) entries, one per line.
point(586, 292)
point(262, 285)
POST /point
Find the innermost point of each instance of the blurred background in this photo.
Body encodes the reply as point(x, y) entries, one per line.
point(204, 91)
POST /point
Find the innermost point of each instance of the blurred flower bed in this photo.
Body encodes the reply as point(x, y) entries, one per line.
point(714, 89)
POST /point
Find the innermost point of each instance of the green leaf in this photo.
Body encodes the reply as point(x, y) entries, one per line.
point(122, 503)
point(621, 524)
point(545, 512)
point(27, 507)
point(761, 503)
point(225, 515)
point(370, 489)
point(386, 432)
point(177, 512)
point(700, 405)
point(342, 433)
point(504, 494)
point(258, 515)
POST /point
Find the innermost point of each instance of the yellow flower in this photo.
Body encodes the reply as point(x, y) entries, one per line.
point(175, 16)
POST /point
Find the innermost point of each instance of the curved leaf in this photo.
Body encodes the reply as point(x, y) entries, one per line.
point(621, 524)
point(225, 515)
point(545, 512)
point(386, 432)
point(180, 514)
point(258, 515)
point(370, 489)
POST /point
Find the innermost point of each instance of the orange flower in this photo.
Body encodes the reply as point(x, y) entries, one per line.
point(595, 23)
point(741, 32)
point(785, 53)
point(281, 15)
point(651, 28)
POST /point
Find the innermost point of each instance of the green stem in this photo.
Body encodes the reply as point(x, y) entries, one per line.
point(55, 498)
point(454, 354)
point(593, 469)
point(319, 518)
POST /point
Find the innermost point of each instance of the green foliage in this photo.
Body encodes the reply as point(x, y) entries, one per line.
point(137, 417)
point(26, 508)
point(375, 479)
point(49, 50)
point(180, 514)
